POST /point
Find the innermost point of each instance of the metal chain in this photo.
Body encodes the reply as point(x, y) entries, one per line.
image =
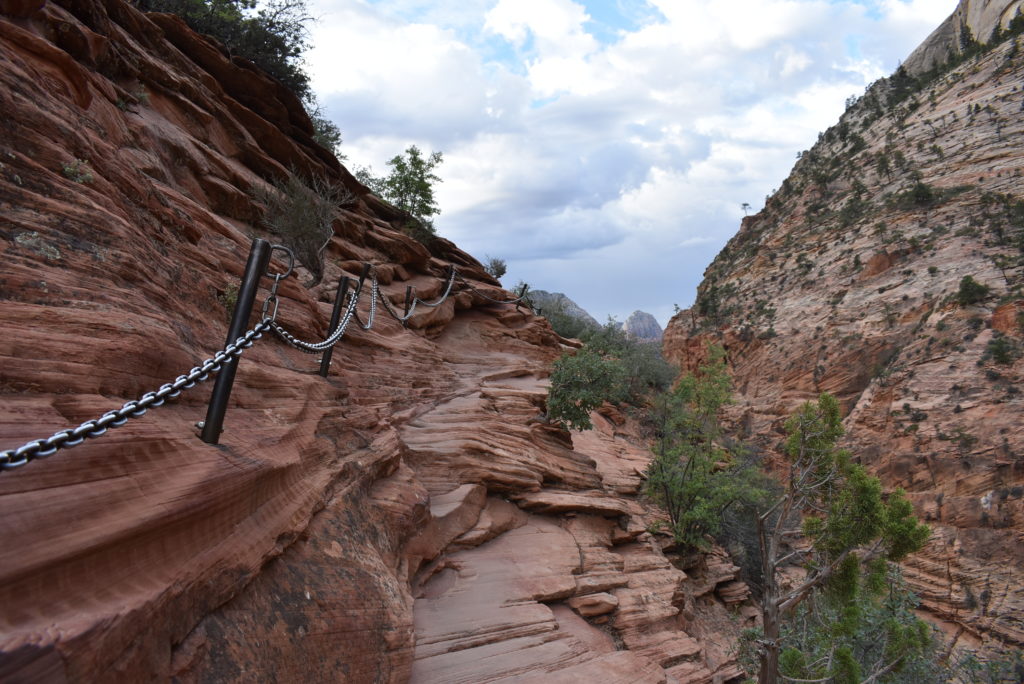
point(490, 299)
point(447, 291)
point(416, 300)
point(65, 439)
point(317, 347)
point(374, 292)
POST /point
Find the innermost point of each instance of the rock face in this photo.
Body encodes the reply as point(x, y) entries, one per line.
point(557, 302)
point(850, 282)
point(972, 19)
point(409, 517)
point(643, 326)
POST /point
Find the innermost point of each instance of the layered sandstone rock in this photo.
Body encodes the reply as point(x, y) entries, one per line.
point(411, 516)
point(972, 20)
point(849, 282)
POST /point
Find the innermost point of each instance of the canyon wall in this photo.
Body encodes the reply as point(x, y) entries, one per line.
point(851, 281)
point(410, 517)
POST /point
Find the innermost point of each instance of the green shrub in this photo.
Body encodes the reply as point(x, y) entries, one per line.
point(77, 170)
point(692, 477)
point(302, 214)
point(610, 367)
point(495, 267)
point(272, 37)
point(580, 383)
point(971, 291)
point(410, 187)
point(1002, 350)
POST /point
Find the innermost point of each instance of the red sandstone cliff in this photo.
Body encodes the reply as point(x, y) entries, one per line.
point(848, 281)
point(408, 517)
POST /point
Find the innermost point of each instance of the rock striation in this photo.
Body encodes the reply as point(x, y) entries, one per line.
point(971, 20)
point(411, 517)
point(643, 326)
point(851, 281)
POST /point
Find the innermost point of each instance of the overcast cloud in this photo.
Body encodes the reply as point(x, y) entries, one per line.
point(603, 149)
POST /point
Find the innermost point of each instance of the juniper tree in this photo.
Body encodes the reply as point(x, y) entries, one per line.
point(850, 532)
point(692, 475)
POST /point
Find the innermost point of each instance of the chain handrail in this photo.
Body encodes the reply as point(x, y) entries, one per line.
point(517, 300)
point(65, 439)
point(317, 347)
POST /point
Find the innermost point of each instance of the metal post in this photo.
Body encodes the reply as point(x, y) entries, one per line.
point(519, 299)
point(408, 303)
point(339, 301)
point(259, 258)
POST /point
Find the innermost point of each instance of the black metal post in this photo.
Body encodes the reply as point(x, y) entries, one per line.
point(339, 302)
point(519, 299)
point(408, 303)
point(259, 258)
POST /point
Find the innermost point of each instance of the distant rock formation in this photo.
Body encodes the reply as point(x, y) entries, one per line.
point(643, 326)
point(979, 17)
point(556, 302)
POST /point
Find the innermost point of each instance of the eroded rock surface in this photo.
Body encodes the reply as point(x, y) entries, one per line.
point(849, 281)
point(411, 516)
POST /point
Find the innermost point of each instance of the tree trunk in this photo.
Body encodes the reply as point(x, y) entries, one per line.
point(769, 671)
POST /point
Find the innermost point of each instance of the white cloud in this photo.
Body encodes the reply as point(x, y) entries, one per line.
point(577, 157)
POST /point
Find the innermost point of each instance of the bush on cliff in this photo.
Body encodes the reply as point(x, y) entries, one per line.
point(273, 37)
point(410, 187)
point(610, 367)
point(693, 477)
point(302, 214)
point(834, 624)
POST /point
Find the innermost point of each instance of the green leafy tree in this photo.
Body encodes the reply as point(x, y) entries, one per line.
point(971, 291)
point(851, 532)
point(273, 37)
point(325, 132)
point(580, 383)
point(692, 476)
point(610, 367)
point(410, 187)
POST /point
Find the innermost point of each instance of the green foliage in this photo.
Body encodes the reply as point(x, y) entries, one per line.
point(643, 366)
point(610, 367)
point(228, 299)
point(302, 213)
point(77, 170)
point(410, 187)
point(580, 383)
point(854, 531)
point(691, 476)
point(971, 291)
point(325, 132)
point(1003, 350)
point(843, 637)
point(495, 267)
point(273, 36)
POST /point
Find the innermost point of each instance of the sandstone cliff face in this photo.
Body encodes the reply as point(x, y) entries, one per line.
point(848, 282)
point(972, 19)
point(408, 517)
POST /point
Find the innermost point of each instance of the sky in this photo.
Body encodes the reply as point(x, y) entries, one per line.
point(603, 149)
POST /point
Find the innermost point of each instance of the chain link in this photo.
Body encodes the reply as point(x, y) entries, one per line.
point(317, 347)
point(491, 299)
point(65, 439)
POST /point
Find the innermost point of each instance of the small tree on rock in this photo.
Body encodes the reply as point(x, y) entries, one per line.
point(851, 530)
